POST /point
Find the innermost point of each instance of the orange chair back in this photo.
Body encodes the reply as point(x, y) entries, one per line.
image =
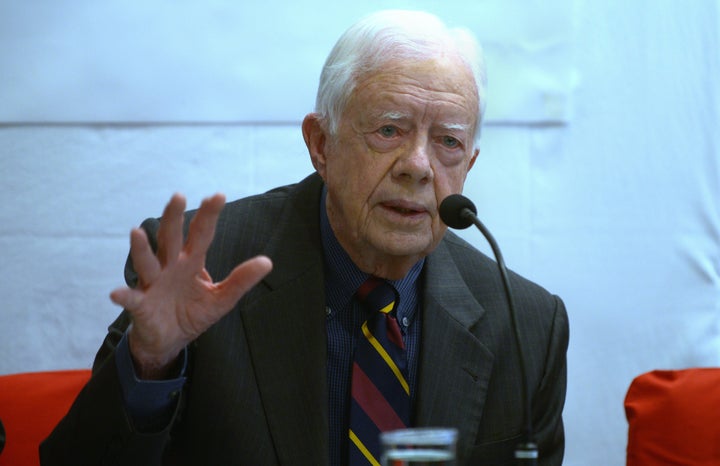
point(674, 418)
point(31, 404)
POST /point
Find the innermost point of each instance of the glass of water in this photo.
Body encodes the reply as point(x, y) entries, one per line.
point(420, 446)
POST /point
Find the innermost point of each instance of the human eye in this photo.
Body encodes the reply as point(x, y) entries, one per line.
point(385, 136)
point(388, 131)
point(450, 142)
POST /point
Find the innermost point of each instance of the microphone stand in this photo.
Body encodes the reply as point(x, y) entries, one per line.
point(526, 452)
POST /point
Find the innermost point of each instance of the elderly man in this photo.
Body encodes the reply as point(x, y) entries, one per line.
point(244, 333)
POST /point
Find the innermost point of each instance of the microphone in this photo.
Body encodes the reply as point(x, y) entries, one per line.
point(459, 212)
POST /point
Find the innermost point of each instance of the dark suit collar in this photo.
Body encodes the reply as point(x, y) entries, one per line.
point(295, 245)
point(293, 383)
point(445, 284)
point(455, 366)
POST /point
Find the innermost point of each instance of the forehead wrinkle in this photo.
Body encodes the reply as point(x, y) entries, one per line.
point(428, 109)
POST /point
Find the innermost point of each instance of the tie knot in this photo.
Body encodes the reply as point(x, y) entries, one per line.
point(377, 295)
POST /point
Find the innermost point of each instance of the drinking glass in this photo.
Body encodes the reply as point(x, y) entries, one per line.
point(419, 446)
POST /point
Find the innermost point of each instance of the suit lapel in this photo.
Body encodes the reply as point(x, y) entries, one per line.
point(455, 366)
point(293, 381)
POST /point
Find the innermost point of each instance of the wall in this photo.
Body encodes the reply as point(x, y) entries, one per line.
point(598, 176)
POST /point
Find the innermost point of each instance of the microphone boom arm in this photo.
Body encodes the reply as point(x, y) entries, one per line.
point(527, 451)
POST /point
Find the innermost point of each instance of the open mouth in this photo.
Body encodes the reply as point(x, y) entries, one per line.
point(405, 210)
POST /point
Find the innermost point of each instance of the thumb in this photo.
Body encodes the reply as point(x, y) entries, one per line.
point(241, 280)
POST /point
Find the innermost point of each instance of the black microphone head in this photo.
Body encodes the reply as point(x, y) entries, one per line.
point(451, 211)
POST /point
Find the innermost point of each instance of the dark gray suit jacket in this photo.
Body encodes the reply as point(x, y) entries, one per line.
point(257, 384)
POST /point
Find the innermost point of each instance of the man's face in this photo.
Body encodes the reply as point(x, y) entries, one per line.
point(404, 142)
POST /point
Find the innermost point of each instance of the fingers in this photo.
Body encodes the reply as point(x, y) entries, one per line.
point(127, 298)
point(170, 240)
point(144, 261)
point(202, 226)
point(170, 234)
point(241, 279)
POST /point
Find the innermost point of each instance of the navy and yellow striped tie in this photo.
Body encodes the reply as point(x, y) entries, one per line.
point(380, 391)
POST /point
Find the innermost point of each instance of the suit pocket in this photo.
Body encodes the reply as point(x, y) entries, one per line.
point(495, 453)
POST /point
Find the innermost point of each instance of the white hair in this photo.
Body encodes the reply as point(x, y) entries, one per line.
point(386, 36)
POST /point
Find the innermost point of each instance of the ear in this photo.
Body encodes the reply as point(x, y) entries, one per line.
point(314, 133)
point(474, 157)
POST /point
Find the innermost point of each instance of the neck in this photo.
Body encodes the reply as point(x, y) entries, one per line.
point(380, 264)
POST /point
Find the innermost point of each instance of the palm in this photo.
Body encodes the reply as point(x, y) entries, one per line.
point(176, 300)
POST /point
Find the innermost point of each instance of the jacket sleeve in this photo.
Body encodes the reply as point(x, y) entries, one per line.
point(97, 429)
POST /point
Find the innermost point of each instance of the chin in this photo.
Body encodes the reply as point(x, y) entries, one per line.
point(407, 246)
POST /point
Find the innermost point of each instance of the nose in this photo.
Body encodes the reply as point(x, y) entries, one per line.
point(413, 164)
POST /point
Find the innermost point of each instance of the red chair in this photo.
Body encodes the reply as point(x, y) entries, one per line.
point(674, 418)
point(31, 404)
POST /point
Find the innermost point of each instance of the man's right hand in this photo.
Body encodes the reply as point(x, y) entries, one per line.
point(175, 299)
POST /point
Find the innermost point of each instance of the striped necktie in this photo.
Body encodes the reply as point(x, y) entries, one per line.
point(380, 391)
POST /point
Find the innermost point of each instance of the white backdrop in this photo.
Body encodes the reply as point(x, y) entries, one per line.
point(599, 172)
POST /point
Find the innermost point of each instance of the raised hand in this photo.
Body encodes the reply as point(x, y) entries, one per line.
point(176, 300)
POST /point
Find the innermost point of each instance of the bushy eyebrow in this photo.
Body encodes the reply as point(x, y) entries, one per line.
point(455, 126)
point(397, 116)
point(393, 115)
